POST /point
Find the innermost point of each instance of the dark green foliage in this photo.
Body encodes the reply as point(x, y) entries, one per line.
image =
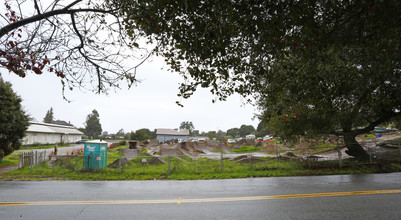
point(233, 132)
point(93, 127)
point(13, 120)
point(187, 125)
point(141, 134)
point(244, 130)
point(315, 67)
point(49, 117)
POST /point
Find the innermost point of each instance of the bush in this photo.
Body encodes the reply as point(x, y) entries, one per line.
point(122, 143)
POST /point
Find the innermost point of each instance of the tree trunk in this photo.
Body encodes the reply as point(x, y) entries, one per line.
point(354, 148)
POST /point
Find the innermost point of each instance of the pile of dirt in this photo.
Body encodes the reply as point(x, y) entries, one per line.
point(242, 142)
point(289, 155)
point(156, 161)
point(190, 148)
point(203, 146)
point(171, 150)
point(153, 143)
point(217, 146)
point(116, 163)
point(262, 143)
point(246, 159)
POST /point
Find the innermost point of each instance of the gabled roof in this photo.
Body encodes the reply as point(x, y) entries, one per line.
point(166, 131)
point(52, 128)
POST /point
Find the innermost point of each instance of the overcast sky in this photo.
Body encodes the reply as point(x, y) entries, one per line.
point(151, 104)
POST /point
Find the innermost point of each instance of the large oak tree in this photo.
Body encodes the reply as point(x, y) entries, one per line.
point(321, 66)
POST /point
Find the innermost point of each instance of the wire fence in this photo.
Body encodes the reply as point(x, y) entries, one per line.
point(204, 163)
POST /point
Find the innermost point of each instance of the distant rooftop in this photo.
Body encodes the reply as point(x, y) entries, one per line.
point(52, 128)
point(60, 122)
point(166, 131)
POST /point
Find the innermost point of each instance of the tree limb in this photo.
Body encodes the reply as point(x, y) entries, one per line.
point(4, 30)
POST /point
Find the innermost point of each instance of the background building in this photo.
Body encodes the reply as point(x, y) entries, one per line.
point(164, 135)
point(44, 133)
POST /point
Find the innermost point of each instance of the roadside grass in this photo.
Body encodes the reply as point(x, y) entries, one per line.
point(12, 159)
point(185, 168)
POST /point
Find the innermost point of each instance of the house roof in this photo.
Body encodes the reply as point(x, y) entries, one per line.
point(60, 122)
point(36, 127)
point(166, 131)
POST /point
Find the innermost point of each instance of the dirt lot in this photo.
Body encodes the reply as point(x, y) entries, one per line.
point(373, 146)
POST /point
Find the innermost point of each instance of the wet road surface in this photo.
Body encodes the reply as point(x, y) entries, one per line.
point(376, 196)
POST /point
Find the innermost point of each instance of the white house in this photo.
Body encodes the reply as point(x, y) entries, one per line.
point(44, 133)
point(164, 135)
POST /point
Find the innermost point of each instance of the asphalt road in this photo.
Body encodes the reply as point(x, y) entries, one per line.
point(376, 196)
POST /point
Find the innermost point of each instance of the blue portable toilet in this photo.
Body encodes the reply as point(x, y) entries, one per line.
point(95, 154)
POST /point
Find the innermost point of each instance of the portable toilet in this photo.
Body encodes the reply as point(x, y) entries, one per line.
point(95, 155)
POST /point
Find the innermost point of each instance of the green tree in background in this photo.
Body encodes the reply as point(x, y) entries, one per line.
point(187, 125)
point(141, 134)
point(13, 120)
point(263, 129)
point(93, 128)
point(244, 130)
point(49, 117)
point(120, 133)
point(233, 132)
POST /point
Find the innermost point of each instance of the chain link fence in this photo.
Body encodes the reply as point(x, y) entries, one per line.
point(217, 163)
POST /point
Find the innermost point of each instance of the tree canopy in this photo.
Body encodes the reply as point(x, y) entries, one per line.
point(244, 130)
point(13, 120)
point(187, 125)
point(313, 66)
point(142, 134)
point(49, 117)
point(93, 128)
point(233, 132)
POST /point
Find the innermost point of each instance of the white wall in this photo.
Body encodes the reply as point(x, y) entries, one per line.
point(47, 138)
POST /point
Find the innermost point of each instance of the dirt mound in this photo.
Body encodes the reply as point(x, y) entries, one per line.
point(270, 148)
point(246, 159)
point(289, 155)
point(215, 146)
point(242, 142)
point(116, 163)
point(153, 143)
point(171, 150)
point(187, 148)
point(262, 143)
point(156, 161)
point(203, 146)
point(190, 148)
